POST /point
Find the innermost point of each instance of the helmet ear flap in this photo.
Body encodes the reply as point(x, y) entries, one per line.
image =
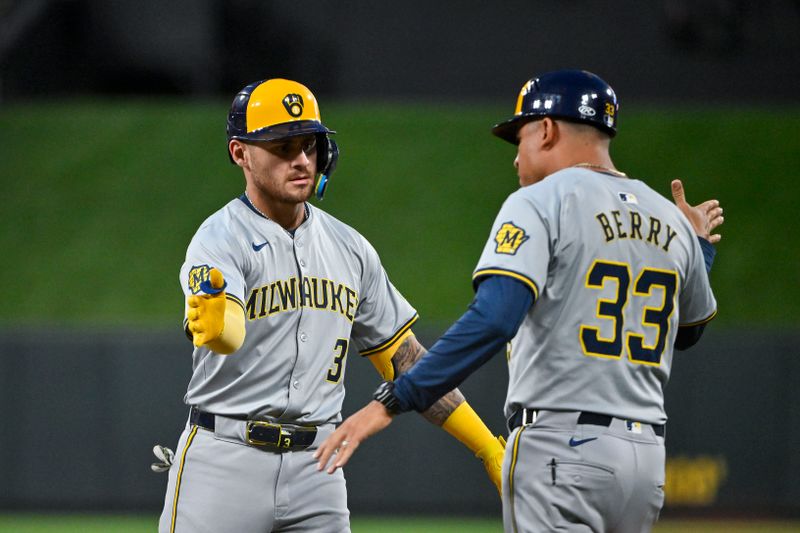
point(327, 157)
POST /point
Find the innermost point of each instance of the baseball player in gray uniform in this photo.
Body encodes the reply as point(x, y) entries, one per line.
point(592, 278)
point(277, 290)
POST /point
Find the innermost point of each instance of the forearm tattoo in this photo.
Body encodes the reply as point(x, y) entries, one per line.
point(409, 352)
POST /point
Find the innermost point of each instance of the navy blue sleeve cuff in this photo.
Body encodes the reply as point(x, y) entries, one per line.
point(708, 252)
point(493, 318)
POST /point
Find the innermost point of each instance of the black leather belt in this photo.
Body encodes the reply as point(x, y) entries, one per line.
point(260, 434)
point(528, 416)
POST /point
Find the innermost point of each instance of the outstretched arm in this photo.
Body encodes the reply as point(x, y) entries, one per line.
point(705, 218)
point(411, 351)
point(451, 412)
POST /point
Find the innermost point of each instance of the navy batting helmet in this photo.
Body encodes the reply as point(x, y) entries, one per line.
point(573, 95)
point(274, 109)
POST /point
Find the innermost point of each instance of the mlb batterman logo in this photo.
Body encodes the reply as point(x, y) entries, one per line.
point(509, 238)
point(197, 275)
point(294, 104)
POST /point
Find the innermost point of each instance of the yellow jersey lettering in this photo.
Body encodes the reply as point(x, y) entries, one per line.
point(671, 233)
point(305, 294)
point(621, 234)
point(263, 311)
point(336, 298)
point(614, 226)
point(274, 302)
point(603, 219)
point(311, 293)
point(636, 224)
point(655, 229)
point(352, 301)
point(320, 293)
point(250, 308)
point(287, 293)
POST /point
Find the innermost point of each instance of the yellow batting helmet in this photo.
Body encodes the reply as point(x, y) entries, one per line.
point(274, 109)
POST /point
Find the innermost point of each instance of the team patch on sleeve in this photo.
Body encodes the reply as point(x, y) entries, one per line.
point(197, 275)
point(509, 238)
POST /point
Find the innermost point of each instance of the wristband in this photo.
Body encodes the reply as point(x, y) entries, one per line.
point(385, 395)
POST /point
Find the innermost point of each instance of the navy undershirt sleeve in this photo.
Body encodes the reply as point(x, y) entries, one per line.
point(708, 252)
point(493, 318)
point(688, 336)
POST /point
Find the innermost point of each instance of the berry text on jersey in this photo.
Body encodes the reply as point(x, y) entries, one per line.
point(634, 226)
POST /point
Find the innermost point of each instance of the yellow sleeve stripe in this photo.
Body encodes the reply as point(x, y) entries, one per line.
point(392, 340)
point(510, 273)
point(710, 317)
point(382, 361)
point(234, 299)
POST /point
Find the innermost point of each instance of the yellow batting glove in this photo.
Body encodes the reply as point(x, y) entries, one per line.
point(492, 456)
point(206, 312)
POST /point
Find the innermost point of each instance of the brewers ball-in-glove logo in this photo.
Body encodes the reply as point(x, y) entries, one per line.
point(293, 104)
point(197, 275)
point(509, 238)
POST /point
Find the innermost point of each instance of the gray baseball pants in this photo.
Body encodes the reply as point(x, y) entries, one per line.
point(559, 475)
point(219, 484)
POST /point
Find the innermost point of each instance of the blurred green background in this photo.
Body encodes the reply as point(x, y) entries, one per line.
point(102, 198)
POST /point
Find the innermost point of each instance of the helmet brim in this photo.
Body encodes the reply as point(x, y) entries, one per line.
point(284, 130)
point(509, 129)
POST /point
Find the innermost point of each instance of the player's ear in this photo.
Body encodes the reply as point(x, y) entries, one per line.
point(548, 132)
point(238, 152)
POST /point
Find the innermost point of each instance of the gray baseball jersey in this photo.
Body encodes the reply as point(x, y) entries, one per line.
point(615, 268)
point(305, 297)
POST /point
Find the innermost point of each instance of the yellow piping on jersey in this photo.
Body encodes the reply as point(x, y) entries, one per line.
point(510, 273)
point(178, 479)
point(511, 476)
point(710, 317)
point(392, 340)
point(382, 360)
point(234, 299)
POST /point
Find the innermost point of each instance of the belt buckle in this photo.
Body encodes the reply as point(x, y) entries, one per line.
point(284, 438)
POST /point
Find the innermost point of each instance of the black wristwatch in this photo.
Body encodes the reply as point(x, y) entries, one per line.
point(385, 395)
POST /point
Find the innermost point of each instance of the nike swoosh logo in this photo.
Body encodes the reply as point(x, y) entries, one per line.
point(575, 442)
point(257, 247)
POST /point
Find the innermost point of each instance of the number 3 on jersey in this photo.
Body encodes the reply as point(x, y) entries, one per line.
point(648, 279)
point(339, 353)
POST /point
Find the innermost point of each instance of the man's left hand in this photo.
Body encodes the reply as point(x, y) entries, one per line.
point(353, 431)
point(704, 217)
